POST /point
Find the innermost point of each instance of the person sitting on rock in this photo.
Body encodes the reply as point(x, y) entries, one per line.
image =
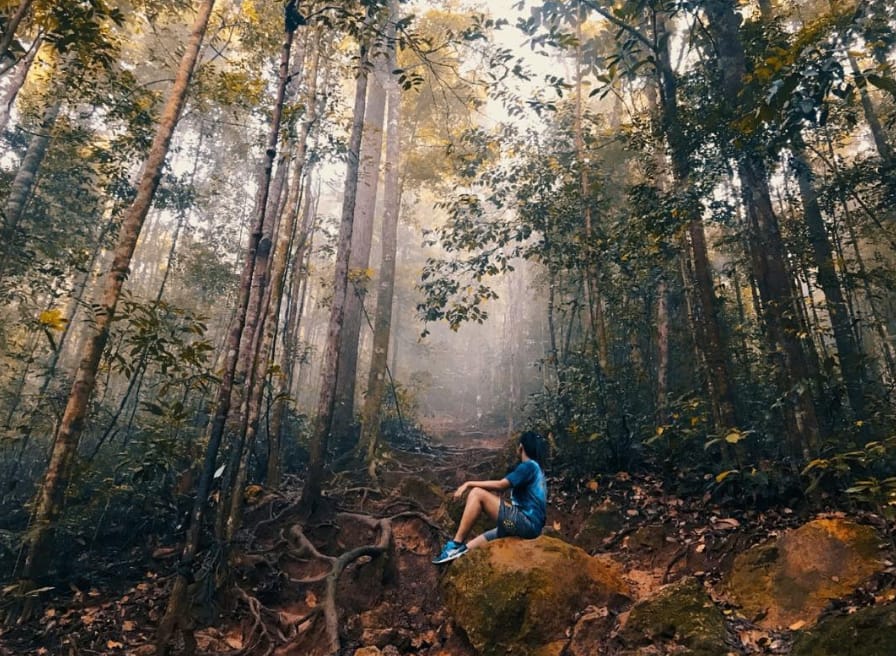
point(523, 517)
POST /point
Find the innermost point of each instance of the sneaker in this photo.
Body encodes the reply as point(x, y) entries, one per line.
point(451, 551)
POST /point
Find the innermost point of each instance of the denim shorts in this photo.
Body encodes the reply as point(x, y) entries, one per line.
point(513, 522)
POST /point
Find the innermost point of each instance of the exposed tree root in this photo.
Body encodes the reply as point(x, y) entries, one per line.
point(267, 631)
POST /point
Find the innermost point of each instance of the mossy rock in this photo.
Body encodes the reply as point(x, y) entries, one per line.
point(603, 523)
point(867, 632)
point(680, 616)
point(792, 579)
point(520, 596)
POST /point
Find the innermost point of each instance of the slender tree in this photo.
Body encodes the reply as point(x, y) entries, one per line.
point(174, 613)
point(323, 422)
point(49, 500)
point(362, 237)
point(376, 380)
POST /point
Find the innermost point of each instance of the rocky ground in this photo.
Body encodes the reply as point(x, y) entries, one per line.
point(624, 568)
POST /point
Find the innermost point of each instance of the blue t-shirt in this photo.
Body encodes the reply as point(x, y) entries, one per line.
point(529, 490)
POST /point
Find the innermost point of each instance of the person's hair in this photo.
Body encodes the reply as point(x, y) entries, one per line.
point(534, 445)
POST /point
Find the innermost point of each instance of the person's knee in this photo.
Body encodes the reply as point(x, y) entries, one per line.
point(476, 495)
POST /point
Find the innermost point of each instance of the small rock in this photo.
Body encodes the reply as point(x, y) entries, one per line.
point(679, 615)
point(368, 651)
point(867, 632)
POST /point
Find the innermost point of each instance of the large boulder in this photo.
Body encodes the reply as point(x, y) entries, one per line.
point(681, 617)
point(867, 632)
point(520, 596)
point(790, 580)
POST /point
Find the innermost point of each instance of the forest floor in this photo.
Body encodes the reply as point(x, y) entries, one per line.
point(323, 585)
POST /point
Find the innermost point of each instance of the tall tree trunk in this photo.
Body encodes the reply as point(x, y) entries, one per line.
point(269, 320)
point(24, 182)
point(662, 352)
point(595, 307)
point(365, 206)
point(769, 259)
point(7, 59)
point(17, 81)
point(287, 354)
point(247, 368)
point(322, 427)
point(177, 598)
point(850, 355)
point(49, 500)
point(382, 325)
point(877, 131)
point(707, 323)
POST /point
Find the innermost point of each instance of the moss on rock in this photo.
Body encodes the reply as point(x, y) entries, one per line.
point(519, 596)
point(679, 615)
point(867, 632)
point(794, 577)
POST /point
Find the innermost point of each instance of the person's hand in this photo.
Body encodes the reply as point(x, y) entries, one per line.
point(459, 492)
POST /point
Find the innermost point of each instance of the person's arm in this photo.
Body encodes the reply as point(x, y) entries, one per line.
point(494, 486)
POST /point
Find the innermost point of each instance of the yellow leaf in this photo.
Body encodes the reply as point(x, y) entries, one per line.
point(725, 474)
point(52, 319)
point(592, 485)
point(734, 437)
point(128, 625)
point(114, 644)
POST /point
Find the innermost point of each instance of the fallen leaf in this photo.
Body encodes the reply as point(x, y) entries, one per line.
point(592, 485)
point(128, 625)
point(234, 640)
point(310, 599)
point(556, 526)
point(796, 626)
point(114, 644)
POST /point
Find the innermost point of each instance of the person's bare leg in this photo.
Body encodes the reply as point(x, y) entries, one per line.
point(478, 501)
point(478, 541)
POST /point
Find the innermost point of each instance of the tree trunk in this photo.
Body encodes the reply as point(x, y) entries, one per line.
point(595, 306)
point(246, 377)
point(7, 60)
point(769, 259)
point(849, 352)
point(382, 326)
point(322, 429)
point(266, 336)
point(175, 610)
point(24, 182)
point(17, 81)
point(877, 130)
point(705, 313)
point(49, 500)
point(344, 427)
point(662, 353)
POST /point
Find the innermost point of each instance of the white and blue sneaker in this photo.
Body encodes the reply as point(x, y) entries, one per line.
point(451, 551)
